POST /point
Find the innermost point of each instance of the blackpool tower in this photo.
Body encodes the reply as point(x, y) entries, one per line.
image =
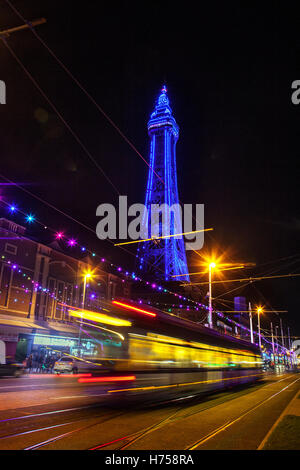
point(164, 258)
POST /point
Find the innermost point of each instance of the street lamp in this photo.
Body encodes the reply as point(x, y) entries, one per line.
point(212, 265)
point(87, 275)
point(259, 311)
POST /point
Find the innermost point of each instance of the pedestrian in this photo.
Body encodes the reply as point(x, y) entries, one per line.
point(40, 363)
point(29, 363)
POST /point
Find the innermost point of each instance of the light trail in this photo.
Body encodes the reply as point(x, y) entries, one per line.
point(164, 236)
point(153, 387)
point(251, 279)
point(136, 309)
point(99, 317)
point(102, 328)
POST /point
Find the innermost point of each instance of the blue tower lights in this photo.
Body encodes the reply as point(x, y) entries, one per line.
point(163, 258)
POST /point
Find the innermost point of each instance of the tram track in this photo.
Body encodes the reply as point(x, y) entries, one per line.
point(134, 437)
point(46, 415)
point(125, 442)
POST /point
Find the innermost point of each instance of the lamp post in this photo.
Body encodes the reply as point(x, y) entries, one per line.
point(259, 311)
point(86, 276)
point(211, 267)
point(251, 326)
point(273, 347)
point(276, 336)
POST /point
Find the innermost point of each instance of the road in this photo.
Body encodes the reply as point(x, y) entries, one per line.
point(46, 412)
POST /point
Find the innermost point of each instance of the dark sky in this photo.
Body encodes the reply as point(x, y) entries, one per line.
point(228, 69)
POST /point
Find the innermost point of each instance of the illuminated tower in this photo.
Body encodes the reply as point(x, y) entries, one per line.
point(163, 258)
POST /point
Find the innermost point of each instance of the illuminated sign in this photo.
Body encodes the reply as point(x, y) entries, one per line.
point(54, 341)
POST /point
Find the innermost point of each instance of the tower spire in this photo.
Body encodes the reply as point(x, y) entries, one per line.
point(165, 257)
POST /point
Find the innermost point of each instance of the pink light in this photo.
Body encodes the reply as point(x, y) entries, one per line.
point(136, 309)
point(59, 235)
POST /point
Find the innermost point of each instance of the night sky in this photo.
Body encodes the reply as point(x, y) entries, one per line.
point(228, 69)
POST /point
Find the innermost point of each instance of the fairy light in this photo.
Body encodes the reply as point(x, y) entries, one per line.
point(59, 235)
point(30, 218)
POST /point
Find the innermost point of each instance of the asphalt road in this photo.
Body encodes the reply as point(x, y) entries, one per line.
point(45, 412)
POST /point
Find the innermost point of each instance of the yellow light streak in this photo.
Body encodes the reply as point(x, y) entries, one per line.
point(102, 328)
point(164, 236)
point(99, 317)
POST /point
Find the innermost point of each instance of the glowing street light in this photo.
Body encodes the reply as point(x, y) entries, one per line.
point(259, 311)
point(87, 276)
point(211, 266)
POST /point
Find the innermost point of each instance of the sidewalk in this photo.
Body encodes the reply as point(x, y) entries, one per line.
point(285, 433)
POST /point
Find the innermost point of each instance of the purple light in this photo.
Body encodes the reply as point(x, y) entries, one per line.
point(72, 242)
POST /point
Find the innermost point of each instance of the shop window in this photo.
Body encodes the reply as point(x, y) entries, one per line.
point(5, 283)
